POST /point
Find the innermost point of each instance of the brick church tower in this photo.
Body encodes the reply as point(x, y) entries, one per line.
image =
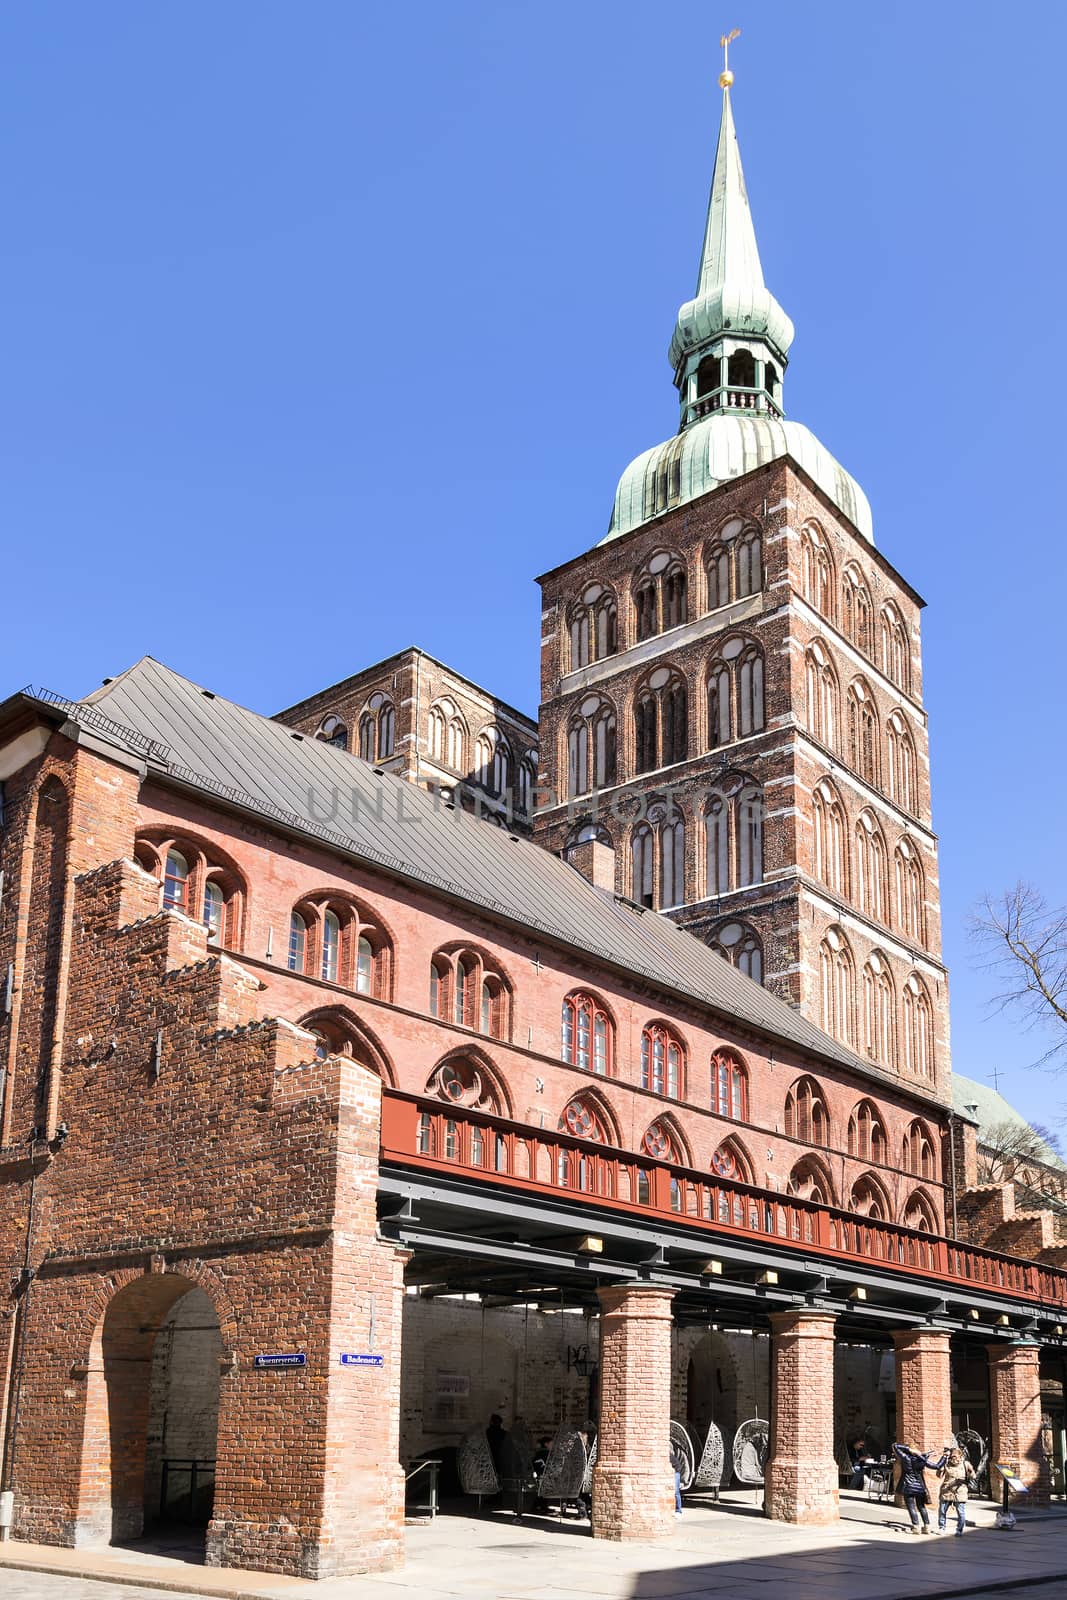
point(732, 726)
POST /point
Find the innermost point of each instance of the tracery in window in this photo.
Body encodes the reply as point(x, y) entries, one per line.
point(493, 761)
point(862, 732)
point(806, 1116)
point(193, 882)
point(918, 1027)
point(661, 720)
point(593, 627)
point(895, 654)
point(868, 1199)
point(582, 1119)
point(729, 1161)
point(816, 570)
point(911, 919)
point(866, 1134)
point(467, 992)
point(662, 1060)
point(836, 985)
point(332, 939)
point(918, 1213)
point(820, 688)
point(856, 610)
point(900, 762)
point(879, 1011)
point(661, 1143)
point(809, 1180)
point(465, 1081)
point(592, 758)
point(587, 1034)
point(733, 836)
point(734, 692)
point(830, 859)
point(660, 595)
point(334, 732)
point(871, 866)
point(448, 735)
point(733, 563)
point(738, 944)
point(377, 728)
point(919, 1157)
point(729, 1085)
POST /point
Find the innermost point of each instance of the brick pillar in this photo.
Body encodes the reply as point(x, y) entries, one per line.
point(801, 1469)
point(633, 1486)
point(924, 1388)
point(1015, 1404)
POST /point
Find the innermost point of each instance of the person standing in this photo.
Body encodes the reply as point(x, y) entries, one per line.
point(957, 1478)
point(678, 1464)
point(913, 1466)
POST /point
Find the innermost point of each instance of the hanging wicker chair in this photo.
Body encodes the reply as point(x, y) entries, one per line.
point(477, 1474)
point(565, 1467)
point(713, 1460)
point(751, 1443)
point(587, 1481)
point(680, 1437)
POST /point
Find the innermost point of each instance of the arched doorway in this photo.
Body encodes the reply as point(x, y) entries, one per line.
point(151, 1410)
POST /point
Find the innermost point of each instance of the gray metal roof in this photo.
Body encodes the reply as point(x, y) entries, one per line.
point(190, 735)
point(991, 1111)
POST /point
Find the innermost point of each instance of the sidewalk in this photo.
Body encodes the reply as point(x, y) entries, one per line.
point(720, 1551)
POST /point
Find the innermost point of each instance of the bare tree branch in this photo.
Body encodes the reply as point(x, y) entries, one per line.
point(1005, 1148)
point(1024, 944)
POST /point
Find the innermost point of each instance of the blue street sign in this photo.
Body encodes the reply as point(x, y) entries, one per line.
point(363, 1359)
point(295, 1358)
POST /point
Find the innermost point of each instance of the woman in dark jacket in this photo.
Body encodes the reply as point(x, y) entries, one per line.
point(913, 1464)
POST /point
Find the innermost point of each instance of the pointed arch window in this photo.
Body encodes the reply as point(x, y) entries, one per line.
point(728, 1163)
point(657, 858)
point(331, 947)
point(820, 686)
point(662, 1061)
point(909, 885)
point(879, 1011)
point(871, 866)
point(862, 732)
point(469, 994)
point(527, 784)
point(377, 728)
point(592, 746)
point(900, 761)
point(816, 570)
point(836, 984)
point(448, 735)
point(582, 1120)
point(733, 563)
point(856, 610)
point(493, 761)
point(895, 654)
point(828, 827)
point(587, 1035)
point(806, 1116)
point(919, 1214)
point(866, 1134)
point(733, 837)
point(661, 720)
point(660, 595)
point(593, 627)
point(333, 732)
point(919, 1157)
point(660, 1143)
point(734, 692)
point(918, 1027)
point(868, 1200)
point(740, 946)
point(176, 881)
point(729, 1085)
point(215, 912)
point(808, 1181)
point(298, 935)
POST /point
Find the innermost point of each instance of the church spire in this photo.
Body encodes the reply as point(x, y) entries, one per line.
point(731, 340)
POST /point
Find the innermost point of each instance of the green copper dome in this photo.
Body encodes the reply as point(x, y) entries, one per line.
point(721, 447)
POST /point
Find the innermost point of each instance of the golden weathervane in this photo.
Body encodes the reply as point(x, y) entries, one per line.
point(726, 77)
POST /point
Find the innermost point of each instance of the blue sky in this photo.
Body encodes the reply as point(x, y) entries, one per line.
point(327, 327)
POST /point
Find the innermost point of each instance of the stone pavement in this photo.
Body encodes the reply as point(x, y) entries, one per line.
point(731, 1553)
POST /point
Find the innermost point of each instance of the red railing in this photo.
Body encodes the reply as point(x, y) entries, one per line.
point(417, 1132)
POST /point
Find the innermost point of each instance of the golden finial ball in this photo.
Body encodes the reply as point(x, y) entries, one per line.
point(725, 79)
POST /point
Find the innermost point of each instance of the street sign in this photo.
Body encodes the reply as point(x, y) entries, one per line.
point(294, 1358)
point(360, 1359)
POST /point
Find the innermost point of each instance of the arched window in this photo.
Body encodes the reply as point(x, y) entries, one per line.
point(493, 761)
point(866, 1134)
point(660, 595)
point(733, 836)
point(581, 637)
point(333, 731)
point(447, 735)
point(176, 882)
point(672, 860)
point(895, 653)
point(527, 784)
point(816, 570)
point(879, 1011)
point(582, 1120)
point(643, 862)
point(737, 944)
point(593, 627)
point(828, 827)
point(377, 728)
point(918, 1213)
point(856, 610)
point(862, 732)
point(662, 1060)
point(729, 1085)
point(735, 704)
point(808, 1180)
point(364, 965)
point(918, 1027)
point(836, 982)
point(661, 720)
point(871, 863)
point(909, 885)
point(900, 762)
point(465, 1082)
point(728, 1162)
point(868, 1200)
point(659, 1143)
point(733, 563)
point(298, 935)
point(919, 1157)
point(806, 1117)
point(592, 746)
point(587, 1035)
point(215, 912)
point(821, 696)
point(331, 947)
point(467, 993)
